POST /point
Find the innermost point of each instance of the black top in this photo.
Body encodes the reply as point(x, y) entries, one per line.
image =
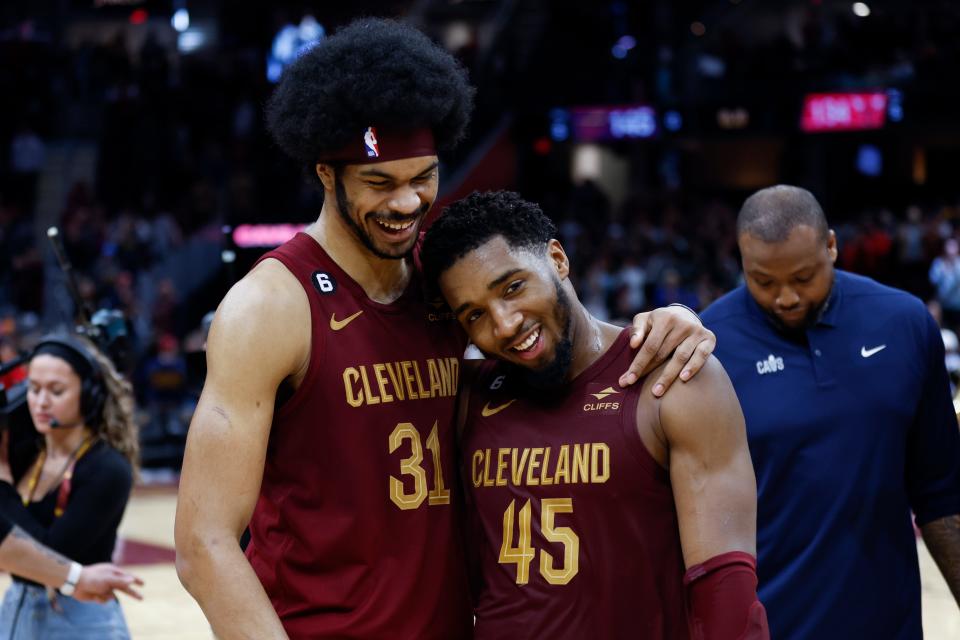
point(87, 530)
point(5, 527)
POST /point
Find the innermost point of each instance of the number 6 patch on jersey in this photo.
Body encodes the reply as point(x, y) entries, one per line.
point(323, 282)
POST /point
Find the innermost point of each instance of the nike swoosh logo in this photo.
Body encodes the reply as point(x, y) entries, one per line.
point(866, 353)
point(336, 325)
point(488, 411)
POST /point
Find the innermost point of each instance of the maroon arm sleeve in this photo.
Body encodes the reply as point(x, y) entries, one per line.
point(722, 599)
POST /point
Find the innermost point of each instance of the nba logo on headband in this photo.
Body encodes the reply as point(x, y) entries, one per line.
point(370, 142)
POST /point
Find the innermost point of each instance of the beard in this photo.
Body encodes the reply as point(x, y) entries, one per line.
point(344, 207)
point(553, 374)
point(809, 321)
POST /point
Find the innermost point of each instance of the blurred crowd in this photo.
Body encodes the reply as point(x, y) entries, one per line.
point(649, 254)
point(180, 151)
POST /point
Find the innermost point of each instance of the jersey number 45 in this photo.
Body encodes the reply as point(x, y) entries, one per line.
point(522, 554)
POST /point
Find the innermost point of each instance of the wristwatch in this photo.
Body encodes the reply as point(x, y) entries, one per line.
point(73, 576)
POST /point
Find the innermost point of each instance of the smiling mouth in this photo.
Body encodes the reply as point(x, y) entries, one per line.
point(527, 344)
point(396, 227)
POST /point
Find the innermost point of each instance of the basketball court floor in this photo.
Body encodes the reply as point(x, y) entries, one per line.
point(167, 612)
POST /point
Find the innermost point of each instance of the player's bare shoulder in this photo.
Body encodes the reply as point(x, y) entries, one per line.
point(705, 407)
point(710, 379)
point(263, 319)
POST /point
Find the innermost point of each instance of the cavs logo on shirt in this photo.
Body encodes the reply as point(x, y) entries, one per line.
point(605, 400)
point(370, 143)
point(772, 364)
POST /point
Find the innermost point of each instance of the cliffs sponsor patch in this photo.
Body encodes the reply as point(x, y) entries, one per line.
point(605, 399)
point(441, 312)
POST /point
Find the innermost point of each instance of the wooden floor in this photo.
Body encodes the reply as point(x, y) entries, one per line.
point(169, 613)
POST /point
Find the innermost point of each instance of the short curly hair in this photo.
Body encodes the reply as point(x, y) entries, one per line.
point(471, 222)
point(373, 72)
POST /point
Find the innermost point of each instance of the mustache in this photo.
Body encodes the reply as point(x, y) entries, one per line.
point(392, 216)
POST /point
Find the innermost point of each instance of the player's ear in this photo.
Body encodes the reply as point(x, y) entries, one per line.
point(558, 258)
point(326, 174)
point(832, 245)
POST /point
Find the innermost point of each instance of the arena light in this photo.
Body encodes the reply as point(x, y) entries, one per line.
point(139, 16)
point(672, 120)
point(623, 46)
point(843, 111)
point(604, 123)
point(248, 236)
point(861, 9)
point(735, 118)
point(180, 20)
point(870, 160)
point(290, 42)
point(559, 125)
point(191, 40)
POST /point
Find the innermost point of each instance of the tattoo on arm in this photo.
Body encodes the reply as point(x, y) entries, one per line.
point(19, 533)
point(942, 538)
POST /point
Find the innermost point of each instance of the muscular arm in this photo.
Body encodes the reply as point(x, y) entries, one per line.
point(716, 497)
point(710, 469)
point(942, 538)
point(259, 337)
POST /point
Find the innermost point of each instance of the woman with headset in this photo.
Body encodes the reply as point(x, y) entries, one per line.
point(75, 488)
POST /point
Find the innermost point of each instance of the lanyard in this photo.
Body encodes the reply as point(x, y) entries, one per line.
point(66, 483)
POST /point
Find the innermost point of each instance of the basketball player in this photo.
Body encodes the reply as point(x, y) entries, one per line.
point(597, 511)
point(326, 419)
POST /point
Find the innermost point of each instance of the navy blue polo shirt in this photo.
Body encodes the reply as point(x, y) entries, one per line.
point(850, 427)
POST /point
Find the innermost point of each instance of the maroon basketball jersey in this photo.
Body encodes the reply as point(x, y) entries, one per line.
point(356, 531)
point(574, 520)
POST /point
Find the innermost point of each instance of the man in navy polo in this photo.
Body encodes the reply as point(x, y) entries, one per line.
point(850, 425)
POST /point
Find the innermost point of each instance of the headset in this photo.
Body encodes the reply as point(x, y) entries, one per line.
point(93, 390)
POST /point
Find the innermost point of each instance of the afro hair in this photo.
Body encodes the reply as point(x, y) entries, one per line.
point(373, 72)
point(471, 222)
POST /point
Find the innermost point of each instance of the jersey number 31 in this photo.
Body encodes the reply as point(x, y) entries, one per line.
point(411, 467)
